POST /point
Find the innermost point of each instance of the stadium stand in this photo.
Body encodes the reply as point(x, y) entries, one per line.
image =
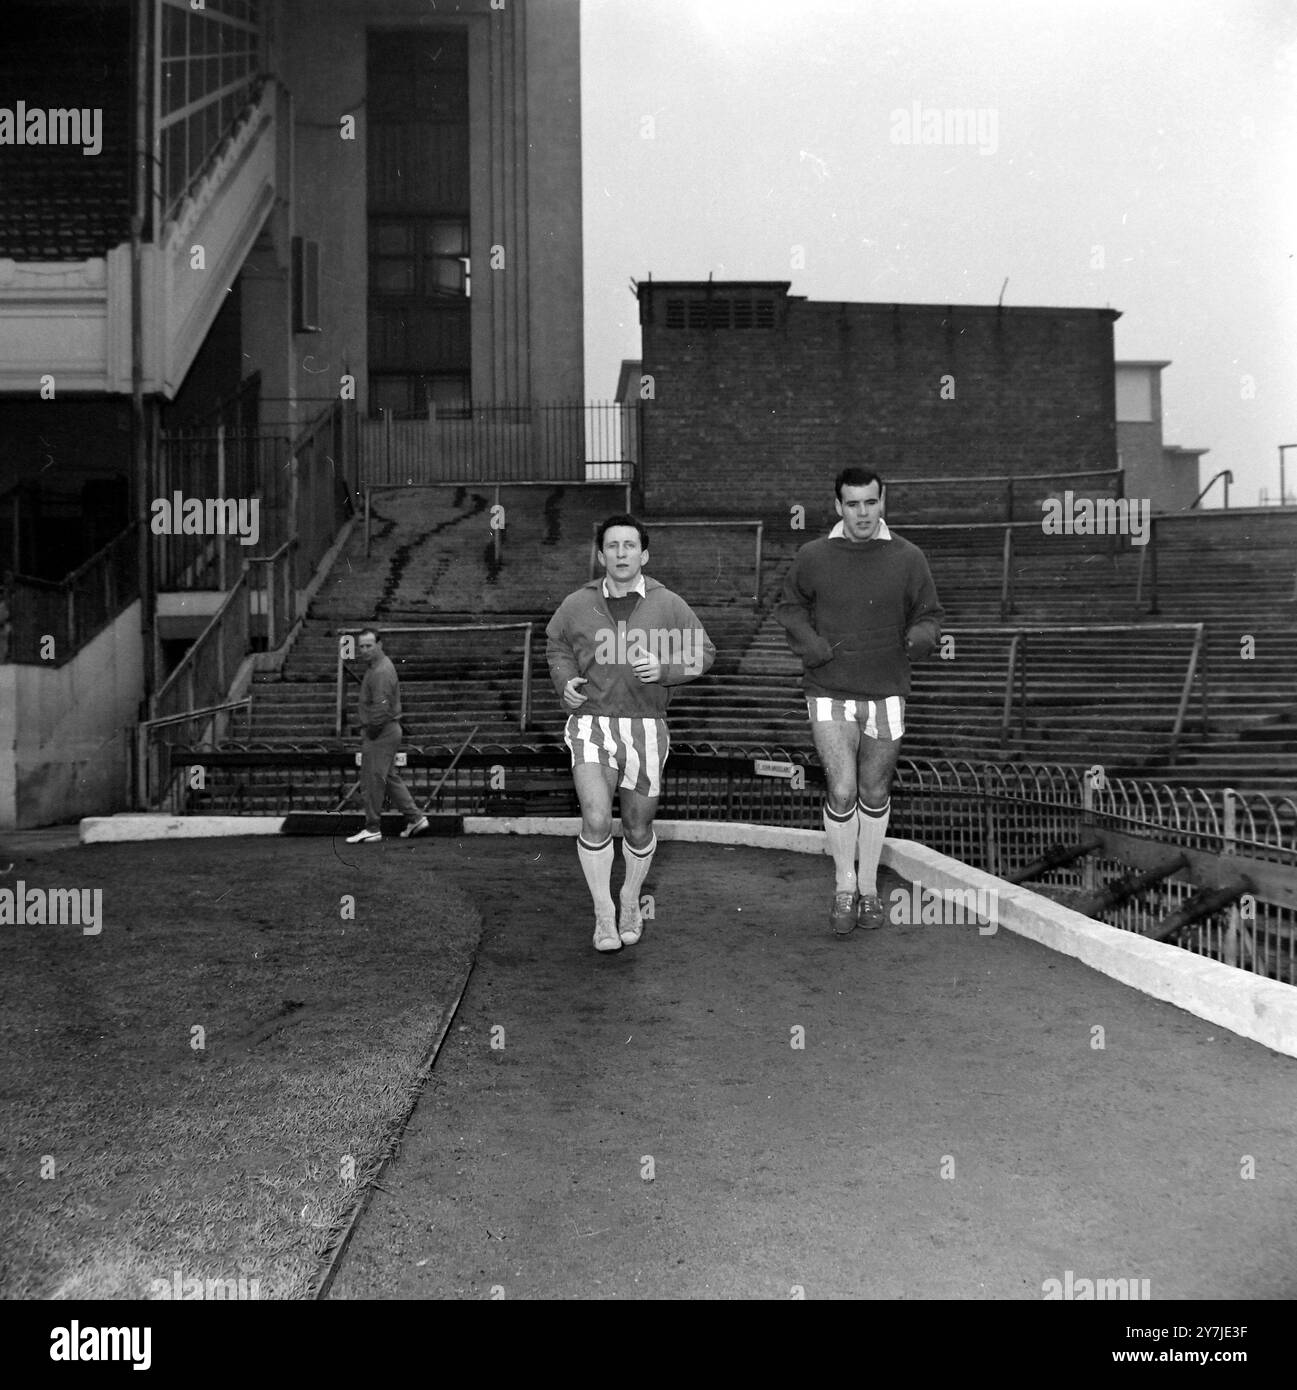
point(1083, 694)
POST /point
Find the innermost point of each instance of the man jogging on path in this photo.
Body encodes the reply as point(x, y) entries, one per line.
point(379, 714)
point(614, 647)
point(858, 606)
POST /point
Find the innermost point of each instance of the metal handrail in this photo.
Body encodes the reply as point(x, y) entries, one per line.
point(1006, 718)
point(1006, 575)
point(1185, 691)
point(190, 657)
point(382, 628)
point(146, 727)
point(1010, 477)
point(1225, 473)
point(1019, 667)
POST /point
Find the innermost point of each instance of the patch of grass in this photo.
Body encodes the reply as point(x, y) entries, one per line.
point(215, 1077)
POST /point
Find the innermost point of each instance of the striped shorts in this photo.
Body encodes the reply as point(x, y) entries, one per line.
point(882, 719)
point(635, 746)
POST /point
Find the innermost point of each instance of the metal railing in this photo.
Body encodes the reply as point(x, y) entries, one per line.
point(208, 668)
point(1015, 676)
point(1013, 485)
point(156, 780)
point(233, 465)
point(272, 593)
point(1224, 473)
point(553, 441)
point(49, 622)
point(1009, 548)
point(324, 458)
point(258, 612)
point(383, 630)
point(995, 817)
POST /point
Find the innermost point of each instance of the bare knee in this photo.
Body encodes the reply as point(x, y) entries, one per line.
point(638, 834)
point(874, 792)
point(841, 796)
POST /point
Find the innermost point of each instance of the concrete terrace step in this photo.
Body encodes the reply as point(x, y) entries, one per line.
point(432, 561)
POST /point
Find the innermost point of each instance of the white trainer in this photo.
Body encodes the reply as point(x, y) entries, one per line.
point(364, 837)
point(630, 925)
point(605, 932)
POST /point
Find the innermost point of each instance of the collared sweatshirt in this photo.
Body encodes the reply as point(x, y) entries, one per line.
point(380, 697)
point(583, 639)
point(856, 612)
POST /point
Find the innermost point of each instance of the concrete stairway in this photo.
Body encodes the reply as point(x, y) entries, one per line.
point(1090, 697)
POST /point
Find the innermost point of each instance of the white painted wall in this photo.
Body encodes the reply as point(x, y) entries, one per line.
point(63, 730)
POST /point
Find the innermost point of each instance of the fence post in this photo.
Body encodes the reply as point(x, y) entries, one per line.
point(756, 593)
point(141, 737)
point(1006, 577)
point(991, 847)
point(1203, 678)
point(367, 521)
point(496, 529)
point(1230, 952)
point(1022, 690)
point(337, 721)
point(1089, 871)
point(526, 682)
point(1006, 717)
point(222, 549)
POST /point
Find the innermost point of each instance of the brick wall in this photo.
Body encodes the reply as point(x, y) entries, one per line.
point(752, 420)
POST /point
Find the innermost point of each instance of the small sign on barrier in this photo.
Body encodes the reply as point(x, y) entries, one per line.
point(766, 767)
point(401, 759)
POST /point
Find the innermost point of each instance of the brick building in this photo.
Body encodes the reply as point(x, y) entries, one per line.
point(760, 396)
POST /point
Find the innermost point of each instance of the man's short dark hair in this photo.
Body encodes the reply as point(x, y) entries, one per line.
point(623, 519)
point(857, 477)
point(368, 632)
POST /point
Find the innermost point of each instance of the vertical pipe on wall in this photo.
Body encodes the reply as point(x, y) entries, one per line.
point(142, 10)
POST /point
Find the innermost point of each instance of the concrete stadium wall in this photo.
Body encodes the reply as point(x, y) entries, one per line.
point(66, 752)
point(750, 421)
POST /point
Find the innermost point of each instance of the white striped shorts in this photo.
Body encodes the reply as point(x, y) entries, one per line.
point(635, 746)
point(882, 719)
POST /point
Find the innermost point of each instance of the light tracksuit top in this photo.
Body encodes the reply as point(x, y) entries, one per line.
point(582, 639)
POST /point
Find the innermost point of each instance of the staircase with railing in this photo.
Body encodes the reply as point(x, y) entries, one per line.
point(1079, 671)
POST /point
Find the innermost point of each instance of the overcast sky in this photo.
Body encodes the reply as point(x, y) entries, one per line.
point(1139, 154)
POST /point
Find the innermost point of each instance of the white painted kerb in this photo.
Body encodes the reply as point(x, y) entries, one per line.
point(117, 829)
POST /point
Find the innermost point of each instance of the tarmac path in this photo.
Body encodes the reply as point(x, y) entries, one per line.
point(646, 1128)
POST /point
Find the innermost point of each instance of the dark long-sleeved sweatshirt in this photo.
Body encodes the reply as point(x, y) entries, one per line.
point(583, 639)
point(856, 612)
point(380, 697)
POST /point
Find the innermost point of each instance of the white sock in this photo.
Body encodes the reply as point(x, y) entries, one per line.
point(840, 830)
point(637, 863)
point(873, 831)
point(596, 861)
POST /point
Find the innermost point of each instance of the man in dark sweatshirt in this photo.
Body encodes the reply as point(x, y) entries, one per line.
point(379, 713)
point(858, 606)
point(614, 647)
